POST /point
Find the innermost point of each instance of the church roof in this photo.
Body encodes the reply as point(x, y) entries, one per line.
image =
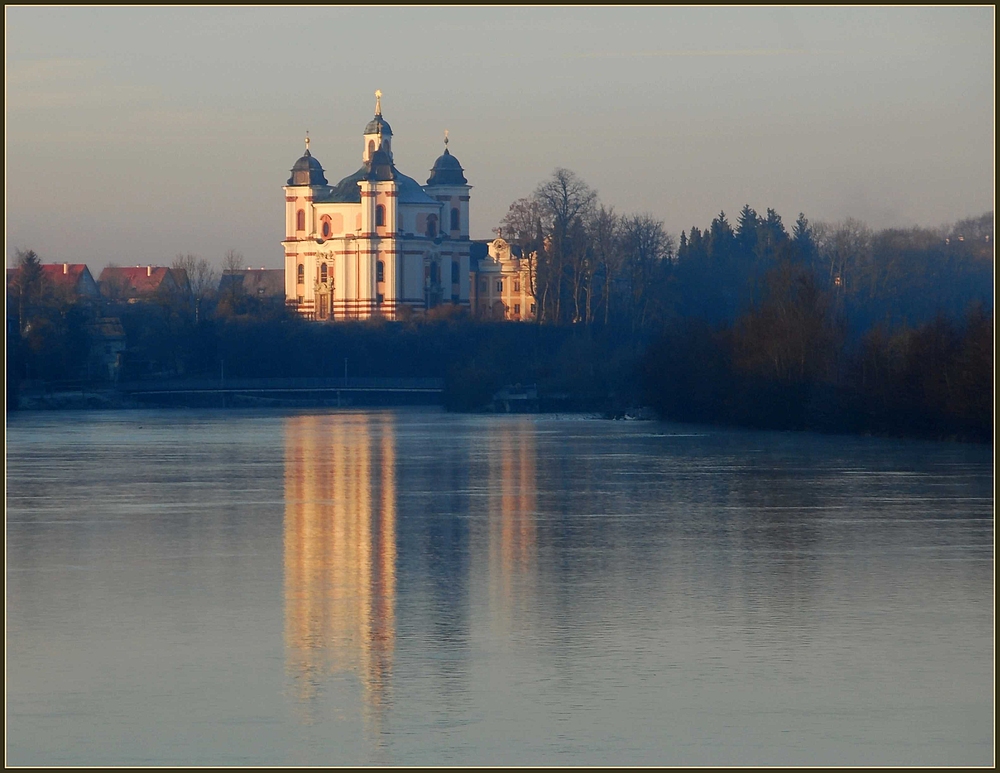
point(348, 192)
point(447, 171)
point(375, 123)
point(307, 171)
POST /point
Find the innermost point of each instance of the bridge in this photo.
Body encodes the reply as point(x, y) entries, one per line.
point(354, 390)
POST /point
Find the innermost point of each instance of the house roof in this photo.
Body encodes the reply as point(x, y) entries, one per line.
point(139, 280)
point(260, 282)
point(67, 274)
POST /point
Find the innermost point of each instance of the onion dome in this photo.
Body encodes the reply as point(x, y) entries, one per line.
point(378, 125)
point(446, 169)
point(307, 171)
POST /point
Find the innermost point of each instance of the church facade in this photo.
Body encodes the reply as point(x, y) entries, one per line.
point(377, 243)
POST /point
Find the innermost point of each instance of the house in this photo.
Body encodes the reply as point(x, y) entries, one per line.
point(107, 348)
point(143, 283)
point(265, 284)
point(502, 282)
point(71, 281)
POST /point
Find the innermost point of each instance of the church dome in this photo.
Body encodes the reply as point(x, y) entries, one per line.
point(446, 171)
point(378, 125)
point(381, 166)
point(307, 171)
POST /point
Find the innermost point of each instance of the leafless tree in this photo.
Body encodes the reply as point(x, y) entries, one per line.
point(564, 201)
point(200, 273)
point(603, 229)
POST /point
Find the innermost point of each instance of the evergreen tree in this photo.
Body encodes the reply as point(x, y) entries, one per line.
point(722, 240)
point(746, 231)
point(802, 237)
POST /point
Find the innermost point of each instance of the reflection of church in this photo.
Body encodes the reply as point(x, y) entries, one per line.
point(340, 553)
point(377, 242)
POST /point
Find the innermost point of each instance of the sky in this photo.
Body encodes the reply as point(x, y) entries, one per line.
point(136, 134)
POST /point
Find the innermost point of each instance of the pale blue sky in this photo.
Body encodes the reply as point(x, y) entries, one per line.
point(134, 134)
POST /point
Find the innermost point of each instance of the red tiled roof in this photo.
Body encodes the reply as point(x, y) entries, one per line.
point(53, 272)
point(135, 279)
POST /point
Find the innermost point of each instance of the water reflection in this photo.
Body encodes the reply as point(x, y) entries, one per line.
point(340, 556)
point(511, 506)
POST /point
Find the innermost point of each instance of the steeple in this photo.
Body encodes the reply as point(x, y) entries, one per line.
point(378, 133)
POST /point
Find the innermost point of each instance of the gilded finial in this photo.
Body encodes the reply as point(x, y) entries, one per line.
point(378, 102)
point(307, 140)
point(446, 138)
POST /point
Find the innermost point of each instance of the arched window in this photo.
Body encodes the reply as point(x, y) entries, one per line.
point(379, 215)
point(300, 220)
point(302, 273)
point(454, 271)
point(371, 148)
point(323, 275)
point(380, 271)
point(326, 226)
point(454, 218)
point(435, 274)
point(432, 226)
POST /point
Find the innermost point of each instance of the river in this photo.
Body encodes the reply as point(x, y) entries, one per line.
point(416, 587)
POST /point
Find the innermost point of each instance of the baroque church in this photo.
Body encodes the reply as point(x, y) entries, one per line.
point(377, 243)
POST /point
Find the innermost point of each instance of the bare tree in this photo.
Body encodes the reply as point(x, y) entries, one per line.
point(200, 273)
point(564, 200)
point(646, 248)
point(522, 225)
point(603, 227)
point(845, 250)
point(233, 262)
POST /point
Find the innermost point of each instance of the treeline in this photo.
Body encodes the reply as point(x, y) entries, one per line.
point(824, 326)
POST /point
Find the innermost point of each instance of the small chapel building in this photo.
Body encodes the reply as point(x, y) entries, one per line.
point(377, 243)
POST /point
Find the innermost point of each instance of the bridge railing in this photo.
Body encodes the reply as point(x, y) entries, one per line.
point(231, 384)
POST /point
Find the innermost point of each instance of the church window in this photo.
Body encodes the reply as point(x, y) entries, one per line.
point(517, 285)
point(517, 308)
point(435, 275)
point(532, 308)
point(500, 286)
point(454, 272)
point(482, 285)
point(380, 271)
point(326, 227)
point(302, 273)
point(379, 215)
point(371, 148)
point(454, 219)
point(432, 226)
point(300, 220)
point(323, 275)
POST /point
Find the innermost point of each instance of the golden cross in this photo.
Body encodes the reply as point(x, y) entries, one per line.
point(378, 102)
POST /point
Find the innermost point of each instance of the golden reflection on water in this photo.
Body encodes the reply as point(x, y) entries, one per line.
point(512, 504)
point(340, 556)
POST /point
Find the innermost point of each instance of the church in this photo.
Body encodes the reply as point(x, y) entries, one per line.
point(377, 243)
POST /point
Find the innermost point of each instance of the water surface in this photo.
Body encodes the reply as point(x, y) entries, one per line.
point(414, 587)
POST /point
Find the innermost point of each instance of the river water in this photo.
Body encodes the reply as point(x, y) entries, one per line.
point(415, 587)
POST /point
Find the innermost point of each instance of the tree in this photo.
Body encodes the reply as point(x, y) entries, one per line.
point(647, 248)
point(746, 230)
point(603, 227)
point(564, 200)
point(28, 281)
point(522, 226)
point(201, 276)
point(232, 266)
point(802, 238)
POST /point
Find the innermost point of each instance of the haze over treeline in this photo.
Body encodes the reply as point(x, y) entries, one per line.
point(741, 319)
